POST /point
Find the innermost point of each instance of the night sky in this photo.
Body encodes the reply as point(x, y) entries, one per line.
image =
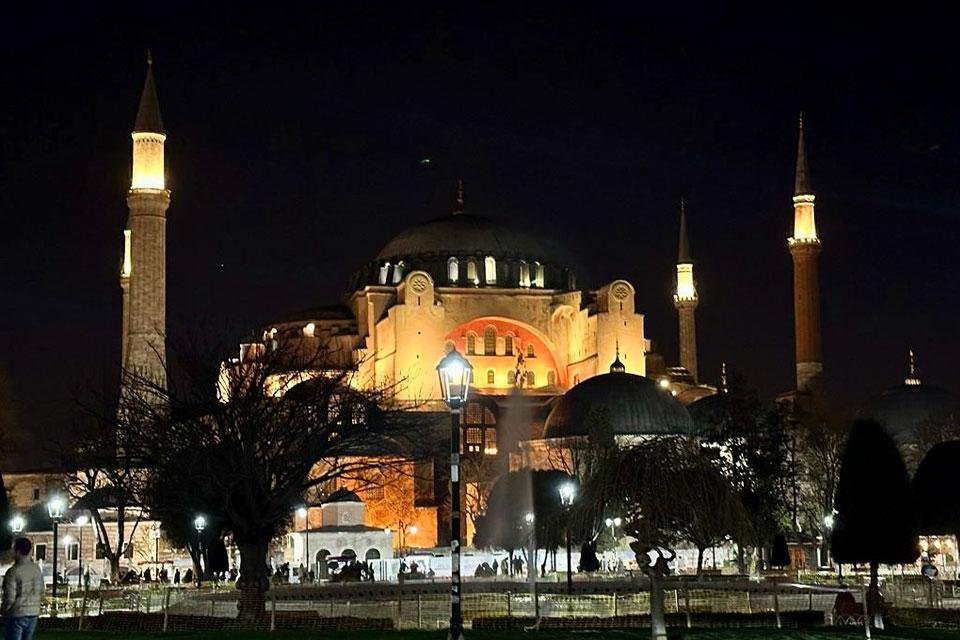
point(294, 153)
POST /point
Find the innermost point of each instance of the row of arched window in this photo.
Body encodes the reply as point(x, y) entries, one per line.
point(531, 274)
point(490, 344)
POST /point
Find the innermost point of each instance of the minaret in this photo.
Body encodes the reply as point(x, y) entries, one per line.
point(805, 248)
point(913, 378)
point(143, 275)
point(685, 300)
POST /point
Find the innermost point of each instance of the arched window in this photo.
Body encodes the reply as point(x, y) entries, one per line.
point(531, 379)
point(491, 376)
point(398, 272)
point(530, 351)
point(348, 553)
point(508, 345)
point(512, 377)
point(384, 272)
point(551, 377)
point(489, 341)
point(372, 554)
point(471, 344)
point(524, 274)
point(472, 272)
point(538, 275)
point(490, 270)
point(453, 270)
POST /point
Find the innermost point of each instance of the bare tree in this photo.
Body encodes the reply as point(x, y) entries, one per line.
point(254, 437)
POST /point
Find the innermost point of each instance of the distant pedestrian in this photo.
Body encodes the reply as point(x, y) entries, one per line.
point(176, 577)
point(22, 593)
point(496, 567)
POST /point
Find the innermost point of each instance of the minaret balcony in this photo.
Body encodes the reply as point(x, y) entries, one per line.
point(792, 242)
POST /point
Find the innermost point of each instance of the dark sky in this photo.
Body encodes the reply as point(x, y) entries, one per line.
point(294, 154)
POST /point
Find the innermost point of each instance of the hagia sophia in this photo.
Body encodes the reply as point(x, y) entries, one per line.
point(544, 348)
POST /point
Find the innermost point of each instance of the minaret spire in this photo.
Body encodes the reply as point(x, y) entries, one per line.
point(804, 246)
point(685, 299)
point(148, 114)
point(458, 208)
point(912, 378)
point(801, 183)
point(683, 249)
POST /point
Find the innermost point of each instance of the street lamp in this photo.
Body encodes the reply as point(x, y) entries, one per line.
point(55, 507)
point(455, 375)
point(568, 493)
point(613, 523)
point(199, 523)
point(304, 513)
point(81, 521)
point(17, 523)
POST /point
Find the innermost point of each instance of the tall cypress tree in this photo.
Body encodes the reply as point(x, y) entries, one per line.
point(937, 506)
point(876, 521)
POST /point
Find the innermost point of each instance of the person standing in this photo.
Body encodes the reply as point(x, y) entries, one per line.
point(22, 593)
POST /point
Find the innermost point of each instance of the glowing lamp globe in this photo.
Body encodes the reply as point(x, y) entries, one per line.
point(302, 512)
point(17, 523)
point(568, 493)
point(455, 374)
point(82, 520)
point(55, 507)
point(199, 523)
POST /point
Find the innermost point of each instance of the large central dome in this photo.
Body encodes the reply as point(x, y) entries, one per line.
point(462, 234)
point(464, 250)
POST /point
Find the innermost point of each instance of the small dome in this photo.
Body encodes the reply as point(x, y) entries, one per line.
point(708, 412)
point(635, 405)
point(904, 408)
point(463, 235)
point(342, 495)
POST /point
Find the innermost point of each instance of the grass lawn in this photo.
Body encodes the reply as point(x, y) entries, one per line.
point(713, 634)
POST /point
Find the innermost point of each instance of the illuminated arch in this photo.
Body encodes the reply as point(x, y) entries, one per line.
point(503, 362)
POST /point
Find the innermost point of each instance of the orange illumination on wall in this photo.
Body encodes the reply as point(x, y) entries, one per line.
point(148, 161)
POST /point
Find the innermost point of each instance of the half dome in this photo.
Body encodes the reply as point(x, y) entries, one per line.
point(635, 406)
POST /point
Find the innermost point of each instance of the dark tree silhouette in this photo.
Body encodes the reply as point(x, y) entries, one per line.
point(938, 507)
point(876, 520)
point(780, 554)
point(6, 537)
point(589, 562)
point(513, 496)
point(251, 438)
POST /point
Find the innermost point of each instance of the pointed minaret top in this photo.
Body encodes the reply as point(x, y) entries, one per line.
point(617, 366)
point(683, 250)
point(148, 114)
point(459, 204)
point(912, 378)
point(801, 185)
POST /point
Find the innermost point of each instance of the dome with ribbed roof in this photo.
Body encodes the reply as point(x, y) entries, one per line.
point(466, 250)
point(635, 406)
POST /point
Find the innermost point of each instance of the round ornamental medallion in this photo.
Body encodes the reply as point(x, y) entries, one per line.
point(621, 291)
point(419, 283)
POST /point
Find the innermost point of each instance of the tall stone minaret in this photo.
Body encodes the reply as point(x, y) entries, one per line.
point(685, 300)
point(143, 275)
point(805, 248)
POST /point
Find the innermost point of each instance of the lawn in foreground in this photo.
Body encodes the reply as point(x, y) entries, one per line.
point(679, 634)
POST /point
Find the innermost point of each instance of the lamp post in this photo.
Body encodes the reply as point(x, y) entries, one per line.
point(199, 523)
point(17, 523)
point(568, 493)
point(613, 523)
point(455, 375)
point(304, 513)
point(81, 521)
point(829, 521)
point(55, 508)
